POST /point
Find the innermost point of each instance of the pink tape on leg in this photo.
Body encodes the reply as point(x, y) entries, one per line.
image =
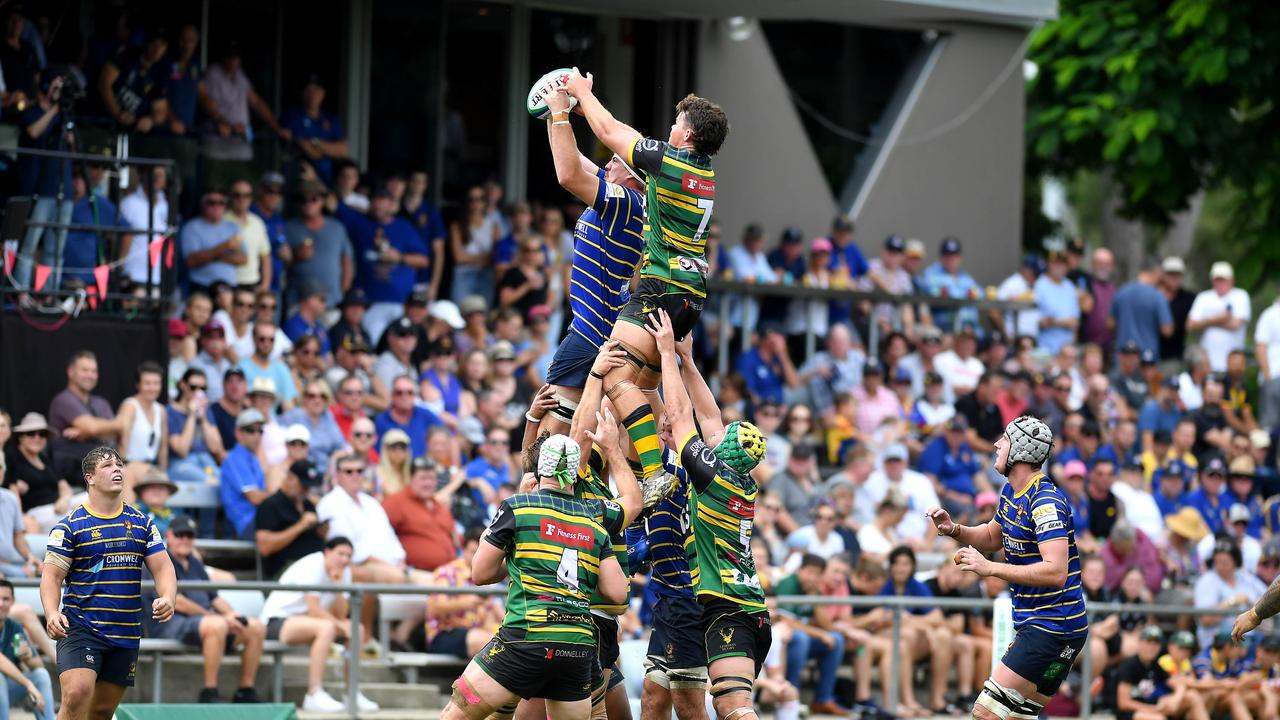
point(468, 693)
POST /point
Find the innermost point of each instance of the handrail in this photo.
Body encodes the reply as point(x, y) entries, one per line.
point(796, 290)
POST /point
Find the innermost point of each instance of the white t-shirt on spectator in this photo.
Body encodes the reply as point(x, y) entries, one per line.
point(1212, 591)
point(362, 521)
point(243, 344)
point(872, 540)
point(1027, 322)
point(1219, 342)
point(958, 376)
point(1250, 550)
point(920, 495)
point(308, 570)
point(134, 210)
point(1189, 393)
point(806, 540)
point(1140, 508)
point(1268, 333)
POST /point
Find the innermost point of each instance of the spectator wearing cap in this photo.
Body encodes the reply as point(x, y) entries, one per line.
point(1168, 278)
point(353, 359)
point(1225, 584)
point(194, 443)
point(286, 527)
point(789, 267)
point(836, 370)
point(320, 248)
point(1267, 474)
point(1239, 518)
point(875, 402)
point(297, 446)
point(945, 278)
point(847, 265)
point(268, 199)
point(1211, 499)
point(1128, 378)
point(262, 364)
point(397, 360)
point(262, 397)
point(949, 461)
point(243, 485)
point(1020, 286)
point(1184, 529)
point(212, 358)
point(255, 272)
point(767, 366)
point(886, 274)
point(895, 476)
point(153, 492)
point(319, 135)
point(234, 398)
point(1170, 483)
point(979, 408)
point(1242, 490)
point(404, 414)
point(1141, 313)
point(1128, 547)
point(812, 315)
point(1058, 305)
point(211, 244)
point(313, 414)
point(308, 317)
point(959, 367)
point(203, 619)
point(1220, 315)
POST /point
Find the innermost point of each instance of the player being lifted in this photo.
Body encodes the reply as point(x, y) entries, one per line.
point(680, 194)
point(1033, 524)
point(735, 620)
point(607, 243)
point(558, 557)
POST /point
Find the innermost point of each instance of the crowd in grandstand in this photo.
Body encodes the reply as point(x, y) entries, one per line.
point(361, 410)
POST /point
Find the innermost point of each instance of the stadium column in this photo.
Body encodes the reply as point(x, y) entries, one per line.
point(515, 161)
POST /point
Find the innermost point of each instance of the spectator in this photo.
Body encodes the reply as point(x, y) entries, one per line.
point(388, 253)
point(1056, 300)
point(935, 638)
point(184, 81)
point(203, 619)
point(1226, 585)
point(945, 278)
point(1143, 687)
point(255, 272)
point(930, 412)
point(1219, 668)
point(320, 249)
point(1128, 547)
point(24, 670)
point(875, 402)
point(153, 492)
point(404, 414)
point(441, 389)
point(394, 470)
point(264, 364)
point(212, 358)
point(880, 536)
point(145, 209)
point(397, 361)
point(350, 323)
point(142, 419)
point(524, 285)
point(1128, 378)
point(460, 625)
point(833, 371)
point(211, 244)
point(19, 59)
point(297, 446)
point(1168, 280)
point(426, 219)
point(819, 538)
point(492, 464)
point(805, 316)
point(286, 527)
point(1097, 301)
point(885, 273)
point(1266, 349)
point(1140, 506)
point(79, 419)
point(419, 513)
point(767, 367)
point(972, 654)
point(1220, 315)
point(983, 415)
point(315, 618)
point(262, 397)
point(134, 88)
point(378, 554)
point(48, 180)
point(895, 477)
point(1241, 491)
point(809, 641)
point(318, 134)
point(1185, 529)
point(949, 461)
point(921, 362)
point(1141, 313)
point(228, 101)
point(244, 484)
point(959, 368)
point(1019, 286)
point(1159, 414)
point(85, 247)
point(1192, 379)
point(1014, 398)
point(349, 404)
point(237, 325)
point(796, 488)
point(1238, 519)
point(1213, 434)
point(471, 239)
point(749, 264)
point(195, 446)
point(1104, 508)
point(313, 414)
point(1170, 483)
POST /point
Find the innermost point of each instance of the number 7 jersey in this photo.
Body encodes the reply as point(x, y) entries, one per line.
point(723, 505)
point(680, 194)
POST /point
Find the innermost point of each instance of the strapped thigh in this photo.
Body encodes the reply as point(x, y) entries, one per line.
point(743, 711)
point(731, 684)
point(1028, 710)
point(1000, 700)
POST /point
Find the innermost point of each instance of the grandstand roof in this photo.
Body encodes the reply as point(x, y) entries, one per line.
point(894, 13)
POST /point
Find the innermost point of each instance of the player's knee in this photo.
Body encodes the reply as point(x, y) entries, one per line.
point(76, 696)
point(506, 712)
point(735, 709)
point(997, 702)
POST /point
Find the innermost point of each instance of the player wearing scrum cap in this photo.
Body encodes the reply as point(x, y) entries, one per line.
point(1034, 526)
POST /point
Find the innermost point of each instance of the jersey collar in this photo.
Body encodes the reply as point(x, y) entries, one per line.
point(112, 516)
point(1032, 483)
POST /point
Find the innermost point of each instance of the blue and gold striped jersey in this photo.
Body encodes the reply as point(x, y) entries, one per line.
point(607, 242)
point(104, 583)
point(1039, 514)
point(671, 547)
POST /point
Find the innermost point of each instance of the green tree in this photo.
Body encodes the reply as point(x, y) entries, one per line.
point(1168, 98)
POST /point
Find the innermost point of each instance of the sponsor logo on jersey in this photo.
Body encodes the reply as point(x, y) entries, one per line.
point(95, 533)
point(560, 617)
point(1046, 518)
point(613, 191)
point(58, 537)
point(741, 507)
point(695, 185)
point(567, 535)
point(120, 559)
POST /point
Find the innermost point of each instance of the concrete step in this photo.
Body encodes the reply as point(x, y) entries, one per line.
point(391, 696)
point(183, 676)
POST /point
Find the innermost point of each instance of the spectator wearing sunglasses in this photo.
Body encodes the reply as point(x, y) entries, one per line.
point(243, 482)
point(195, 447)
point(319, 248)
point(404, 414)
point(262, 363)
point(211, 244)
point(313, 414)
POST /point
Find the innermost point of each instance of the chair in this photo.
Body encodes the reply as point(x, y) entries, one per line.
point(394, 608)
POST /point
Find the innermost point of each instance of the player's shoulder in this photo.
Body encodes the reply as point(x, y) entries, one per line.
point(1047, 489)
point(652, 145)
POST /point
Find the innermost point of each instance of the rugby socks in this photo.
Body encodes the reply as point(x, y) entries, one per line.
point(643, 431)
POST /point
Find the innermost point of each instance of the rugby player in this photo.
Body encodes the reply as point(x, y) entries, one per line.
point(99, 549)
point(735, 619)
point(1033, 524)
point(558, 557)
point(680, 195)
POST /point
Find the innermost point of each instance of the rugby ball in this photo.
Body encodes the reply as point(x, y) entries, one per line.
point(536, 104)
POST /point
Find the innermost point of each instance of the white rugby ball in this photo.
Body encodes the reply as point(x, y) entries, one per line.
point(537, 101)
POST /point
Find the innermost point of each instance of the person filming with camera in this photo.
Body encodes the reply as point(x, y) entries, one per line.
point(45, 179)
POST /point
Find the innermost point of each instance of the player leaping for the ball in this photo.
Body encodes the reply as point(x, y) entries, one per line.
point(680, 194)
point(735, 619)
point(1033, 524)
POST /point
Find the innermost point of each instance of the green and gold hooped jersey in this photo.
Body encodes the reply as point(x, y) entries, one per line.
point(592, 488)
point(723, 510)
point(680, 193)
point(554, 547)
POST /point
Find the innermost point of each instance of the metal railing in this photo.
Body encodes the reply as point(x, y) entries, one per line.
point(359, 591)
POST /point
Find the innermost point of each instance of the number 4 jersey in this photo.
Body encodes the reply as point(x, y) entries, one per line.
point(554, 547)
point(679, 196)
point(723, 509)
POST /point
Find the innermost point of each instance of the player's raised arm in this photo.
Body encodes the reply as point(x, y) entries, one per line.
point(704, 402)
point(584, 418)
point(675, 394)
point(574, 172)
point(615, 134)
point(606, 437)
point(986, 537)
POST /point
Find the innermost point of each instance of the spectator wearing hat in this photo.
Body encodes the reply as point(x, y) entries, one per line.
point(959, 367)
point(1225, 584)
point(211, 244)
point(895, 476)
point(213, 358)
point(443, 319)
point(979, 408)
point(286, 527)
point(945, 278)
point(262, 364)
point(262, 397)
point(404, 414)
point(789, 267)
point(308, 318)
point(1239, 518)
point(350, 322)
point(320, 248)
point(1264, 470)
point(1140, 312)
point(833, 371)
point(313, 414)
point(388, 253)
point(949, 461)
point(319, 135)
point(203, 619)
point(767, 366)
point(1184, 530)
point(1210, 499)
point(1020, 287)
point(1220, 315)
point(1128, 547)
point(268, 199)
point(153, 492)
point(1167, 277)
point(397, 360)
point(243, 485)
point(875, 402)
point(195, 447)
point(1058, 305)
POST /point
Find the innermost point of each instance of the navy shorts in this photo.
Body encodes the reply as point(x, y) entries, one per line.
point(572, 362)
point(82, 648)
point(677, 642)
point(1043, 657)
